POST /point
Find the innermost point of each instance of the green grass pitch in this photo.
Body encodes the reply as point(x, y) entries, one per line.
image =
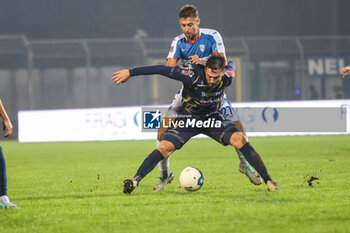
point(77, 187)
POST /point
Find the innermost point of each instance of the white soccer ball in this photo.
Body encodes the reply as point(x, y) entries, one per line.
point(191, 179)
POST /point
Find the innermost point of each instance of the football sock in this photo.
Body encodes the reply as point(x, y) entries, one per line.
point(255, 160)
point(148, 164)
point(3, 178)
point(241, 157)
point(164, 165)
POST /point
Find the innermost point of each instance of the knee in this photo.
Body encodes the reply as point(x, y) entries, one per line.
point(166, 148)
point(238, 140)
point(240, 126)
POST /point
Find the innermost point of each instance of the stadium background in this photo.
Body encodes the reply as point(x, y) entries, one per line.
point(60, 54)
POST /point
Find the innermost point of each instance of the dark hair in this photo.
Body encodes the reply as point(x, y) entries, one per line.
point(216, 62)
point(188, 11)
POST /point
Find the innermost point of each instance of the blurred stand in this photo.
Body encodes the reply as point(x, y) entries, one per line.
point(62, 74)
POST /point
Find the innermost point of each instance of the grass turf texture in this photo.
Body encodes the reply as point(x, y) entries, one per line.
point(77, 187)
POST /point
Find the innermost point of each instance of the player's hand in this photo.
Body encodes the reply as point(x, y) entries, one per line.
point(8, 128)
point(345, 71)
point(121, 76)
point(195, 59)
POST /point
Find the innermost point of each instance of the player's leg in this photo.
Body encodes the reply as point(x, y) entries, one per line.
point(166, 176)
point(238, 141)
point(173, 140)
point(4, 200)
point(230, 134)
point(244, 167)
point(163, 150)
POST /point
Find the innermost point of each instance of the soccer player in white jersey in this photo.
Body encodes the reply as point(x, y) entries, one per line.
point(195, 46)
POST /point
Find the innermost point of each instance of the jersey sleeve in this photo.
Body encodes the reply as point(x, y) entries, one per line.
point(218, 46)
point(176, 73)
point(230, 73)
point(174, 51)
point(231, 69)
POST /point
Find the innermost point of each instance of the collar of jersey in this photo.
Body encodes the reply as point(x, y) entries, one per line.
point(194, 41)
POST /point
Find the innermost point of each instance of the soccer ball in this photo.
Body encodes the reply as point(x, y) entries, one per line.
point(191, 179)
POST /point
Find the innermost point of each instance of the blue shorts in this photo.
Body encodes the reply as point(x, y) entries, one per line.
point(214, 125)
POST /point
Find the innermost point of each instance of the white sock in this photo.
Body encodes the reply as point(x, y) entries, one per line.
point(241, 156)
point(164, 165)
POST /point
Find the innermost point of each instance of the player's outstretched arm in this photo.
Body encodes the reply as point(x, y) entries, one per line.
point(7, 125)
point(175, 73)
point(124, 75)
point(345, 71)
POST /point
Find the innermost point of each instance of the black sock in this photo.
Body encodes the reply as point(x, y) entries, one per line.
point(255, 160)
point(148, 164)
point(3, 178)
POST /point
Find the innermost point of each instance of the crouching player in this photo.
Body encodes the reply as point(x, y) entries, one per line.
point(203, 87)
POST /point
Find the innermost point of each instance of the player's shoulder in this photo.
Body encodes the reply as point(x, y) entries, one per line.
point(178, 38)
point(208, 31)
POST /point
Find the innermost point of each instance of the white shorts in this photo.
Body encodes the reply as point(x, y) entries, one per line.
point(175, 105)
point(225, 108)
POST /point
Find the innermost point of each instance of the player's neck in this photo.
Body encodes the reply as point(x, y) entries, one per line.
point(195, 38)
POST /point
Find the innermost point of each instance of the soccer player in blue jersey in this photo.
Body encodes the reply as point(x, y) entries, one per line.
point(203, 88)
point(7, 126)
point(194, 46)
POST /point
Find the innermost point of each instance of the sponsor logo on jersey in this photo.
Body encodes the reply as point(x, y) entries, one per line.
point(187, 73)
point(211, 94)
point(202, 47)
point(171, 49)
